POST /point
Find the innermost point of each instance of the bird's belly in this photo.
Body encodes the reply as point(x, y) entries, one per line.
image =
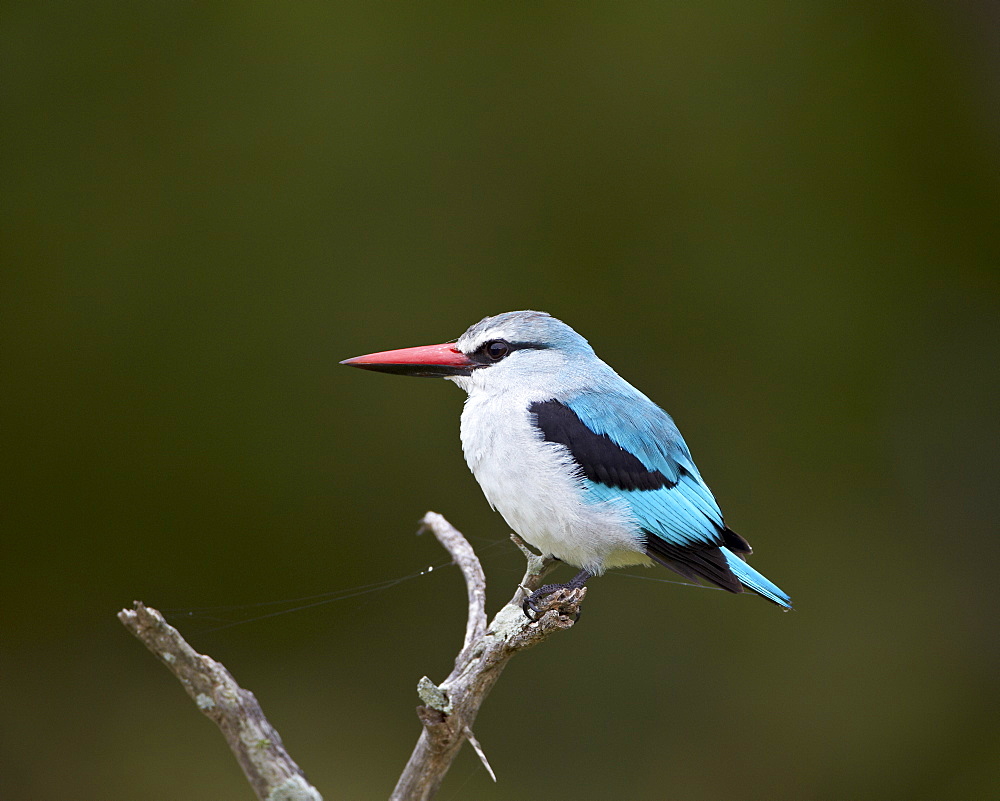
point(534, 485)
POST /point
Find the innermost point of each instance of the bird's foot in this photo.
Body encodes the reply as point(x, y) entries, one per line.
point(551, 596)
point(556, 596)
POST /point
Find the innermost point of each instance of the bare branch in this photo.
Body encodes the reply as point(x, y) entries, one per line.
point(468, 563)
point(449, 710)
point(257, 745)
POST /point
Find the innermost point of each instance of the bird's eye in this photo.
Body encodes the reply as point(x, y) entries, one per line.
point(496, 349)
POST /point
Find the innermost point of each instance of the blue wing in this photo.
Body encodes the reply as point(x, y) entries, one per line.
point(630, 449)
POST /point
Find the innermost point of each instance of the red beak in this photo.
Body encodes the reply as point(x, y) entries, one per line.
point(427, 361)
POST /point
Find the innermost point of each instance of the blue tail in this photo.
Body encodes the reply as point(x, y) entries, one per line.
point(753, 580)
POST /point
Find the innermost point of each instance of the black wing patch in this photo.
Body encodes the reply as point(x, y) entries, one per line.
point(601, 459)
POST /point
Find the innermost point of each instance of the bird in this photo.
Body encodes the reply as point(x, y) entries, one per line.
point(579, 463)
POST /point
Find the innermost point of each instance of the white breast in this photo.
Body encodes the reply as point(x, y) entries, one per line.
point(532, 483)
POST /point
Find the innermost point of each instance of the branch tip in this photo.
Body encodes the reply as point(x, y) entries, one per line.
point(270, 770)
point(479, 751)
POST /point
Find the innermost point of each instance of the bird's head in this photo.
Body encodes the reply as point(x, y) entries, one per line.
point(514, 348)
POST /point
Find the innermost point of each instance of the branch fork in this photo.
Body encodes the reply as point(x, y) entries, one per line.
point(447, 711)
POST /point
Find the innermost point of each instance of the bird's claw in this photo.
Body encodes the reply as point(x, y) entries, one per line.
point(531, 611)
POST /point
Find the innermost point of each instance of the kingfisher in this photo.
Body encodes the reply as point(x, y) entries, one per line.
point(581, 464)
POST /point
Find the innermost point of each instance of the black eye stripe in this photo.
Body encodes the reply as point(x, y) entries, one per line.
point(495, 350)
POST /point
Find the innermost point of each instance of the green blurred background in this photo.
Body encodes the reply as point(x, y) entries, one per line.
point(779, 220)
